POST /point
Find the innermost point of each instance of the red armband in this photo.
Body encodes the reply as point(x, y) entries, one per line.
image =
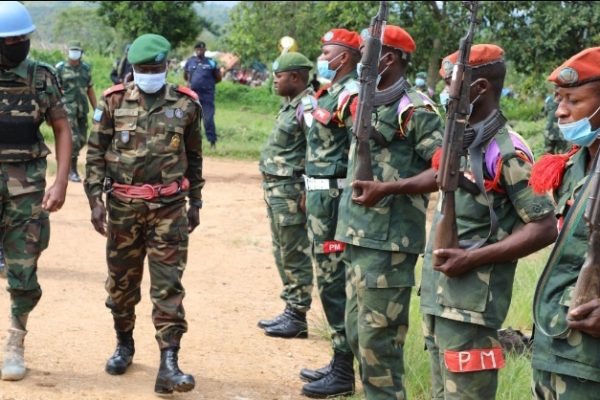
point(474, 360)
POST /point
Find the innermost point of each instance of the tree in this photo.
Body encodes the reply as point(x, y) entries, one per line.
point(83, 25)
point(175, 20)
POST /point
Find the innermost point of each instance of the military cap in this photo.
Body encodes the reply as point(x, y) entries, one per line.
point(148, 49)
point(580, 69)
point(342, 37)
point(397, 38)
point(200, 45)
point(480, 56)
point(291, 62)
point(422, 75)
point(75, 46)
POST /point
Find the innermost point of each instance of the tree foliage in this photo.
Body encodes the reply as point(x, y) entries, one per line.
point(175, 20)
point(83, 25)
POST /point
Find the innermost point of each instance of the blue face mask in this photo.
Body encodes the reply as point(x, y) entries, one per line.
point(323, 68)
point(580, 132)
point(420, 82)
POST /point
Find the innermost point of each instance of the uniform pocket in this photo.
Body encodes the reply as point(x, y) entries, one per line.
point(452, 293)
point(125, 126)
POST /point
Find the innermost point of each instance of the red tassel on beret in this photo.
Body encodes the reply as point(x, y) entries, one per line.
point(547, 173)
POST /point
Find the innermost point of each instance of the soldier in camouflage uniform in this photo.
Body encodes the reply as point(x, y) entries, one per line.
point(282, 166)
point(553, 140)
point(29, 95)
point(383, 242)
point(565, 360)
point(145, 151)
point(465, 300)
point(75, 78)
point(328, 142)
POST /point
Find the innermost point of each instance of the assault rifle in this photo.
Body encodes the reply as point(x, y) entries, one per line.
point(446, 234)
point(368, 85)
point(588, 283)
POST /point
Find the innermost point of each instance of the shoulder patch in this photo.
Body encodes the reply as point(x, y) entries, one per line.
point(113, 89)
point(352, 86)
point(187, 91)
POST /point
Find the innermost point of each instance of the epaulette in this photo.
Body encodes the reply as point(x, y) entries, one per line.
point(59, 65)
point(113, 89)
point(351, 89)
point(410, 101)
point(187, 91)
point(548, 172)
point(322, 90)
point(45, 66)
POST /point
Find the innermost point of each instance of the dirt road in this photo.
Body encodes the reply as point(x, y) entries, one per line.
point(230, 281)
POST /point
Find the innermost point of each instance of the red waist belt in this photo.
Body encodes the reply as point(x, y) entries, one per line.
point(150, 192)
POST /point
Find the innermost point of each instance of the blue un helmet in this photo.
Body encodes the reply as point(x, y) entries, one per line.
point(14, 19)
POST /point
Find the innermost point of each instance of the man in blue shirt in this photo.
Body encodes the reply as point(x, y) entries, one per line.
point(202, 74)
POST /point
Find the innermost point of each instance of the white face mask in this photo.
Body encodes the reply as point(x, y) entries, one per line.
point(74, 54)
point(150, 83)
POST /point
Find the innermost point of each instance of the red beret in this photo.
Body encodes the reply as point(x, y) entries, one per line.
point(582, 68)
point(342, 37)
point(398, 38)
point(481, 55)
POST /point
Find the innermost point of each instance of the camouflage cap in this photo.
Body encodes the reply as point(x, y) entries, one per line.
point(149, 49)
point(291, 62)
point(75, 46)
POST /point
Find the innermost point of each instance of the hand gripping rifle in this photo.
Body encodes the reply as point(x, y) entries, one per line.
point(587, 287)
point(446, 234)
point(366, 95)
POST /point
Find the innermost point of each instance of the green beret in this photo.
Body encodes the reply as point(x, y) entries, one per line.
point(148, 49)
point(75, 46)
point(291, 62)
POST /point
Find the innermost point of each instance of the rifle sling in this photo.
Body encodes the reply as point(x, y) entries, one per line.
point(392, 93)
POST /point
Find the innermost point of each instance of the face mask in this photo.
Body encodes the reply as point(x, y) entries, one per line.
point(472, 104)
point(150, 83)
point(580, 132)
point(420, 82)
point(444, 97)
point(382, 72)
point(74, 54)
point(323, 68)
point(13, 54)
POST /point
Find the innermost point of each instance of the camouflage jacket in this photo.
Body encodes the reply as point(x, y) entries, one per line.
point(284, 153)
point(396, 223)
point(559, 349)
point(482, 295)
point(328, 138)
point(74, 82)
point(134, 144)
point(30, 95)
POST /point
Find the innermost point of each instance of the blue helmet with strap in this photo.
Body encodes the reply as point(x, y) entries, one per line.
point(14, 19)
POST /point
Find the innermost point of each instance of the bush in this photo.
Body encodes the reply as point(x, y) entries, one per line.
point(258, 99)
point(529, 109)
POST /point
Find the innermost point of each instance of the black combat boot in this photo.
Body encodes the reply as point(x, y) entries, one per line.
point(170, 378)
point(73, 174)
point(292, 325)
point(338, 382)
point(311, 375)
point(263, 323)
point(118, 363)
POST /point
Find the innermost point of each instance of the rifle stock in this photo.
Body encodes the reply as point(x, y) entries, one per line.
point(446, 234)
point(363, 169)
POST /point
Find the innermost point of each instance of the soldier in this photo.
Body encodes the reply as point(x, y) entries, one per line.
point(145, 152)
point(566, 345)
point(75, 78)
point(202, 74)
point(384, 242)
point(421, 84)
point(326, 164)
point(122, 70)
point(553, 140)
point(282, 166)
point(29, 95)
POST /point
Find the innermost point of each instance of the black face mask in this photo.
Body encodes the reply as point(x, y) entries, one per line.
point(12, 55)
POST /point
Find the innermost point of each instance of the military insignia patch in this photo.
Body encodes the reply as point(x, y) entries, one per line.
point(568, 76)
point(159, 57)
point(328, 36)
point(124, 136)
point(175, 142)
point(97, 115)
point(179, 113)
point(364, 33)
point(275, 65)
point(169, 113)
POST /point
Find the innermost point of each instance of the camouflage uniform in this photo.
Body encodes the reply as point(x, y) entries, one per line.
point(566, 363)
point(282, 165)
point(75, 81)
point(462, 314)
point(328, 142)
point(30, 95)
point(553, 138)
point(383, 243)
point(146, 139)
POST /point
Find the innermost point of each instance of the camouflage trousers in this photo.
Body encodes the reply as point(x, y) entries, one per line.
point(290, 241)
point(159, 231)
point(550, 386)
point(378, 289)
point(443, 335)
point(26, 230)
point(322, 210)
point(79, 129)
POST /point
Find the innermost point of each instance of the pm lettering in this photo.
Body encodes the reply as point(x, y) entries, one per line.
point(491, 357)
point(333, 246)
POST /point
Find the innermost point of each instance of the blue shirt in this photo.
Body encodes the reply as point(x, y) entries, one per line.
point(201, 74)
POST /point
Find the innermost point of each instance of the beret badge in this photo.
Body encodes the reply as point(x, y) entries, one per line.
point(328, 36)
point(568, 76)
point(448, 66)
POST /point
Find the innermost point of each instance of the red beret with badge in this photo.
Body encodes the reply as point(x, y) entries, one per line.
point(480, 56)
point(582, 68)
point(397, 38)
point(342, 37)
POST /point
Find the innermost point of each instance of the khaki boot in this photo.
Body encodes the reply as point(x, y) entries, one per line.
point(13, 366)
